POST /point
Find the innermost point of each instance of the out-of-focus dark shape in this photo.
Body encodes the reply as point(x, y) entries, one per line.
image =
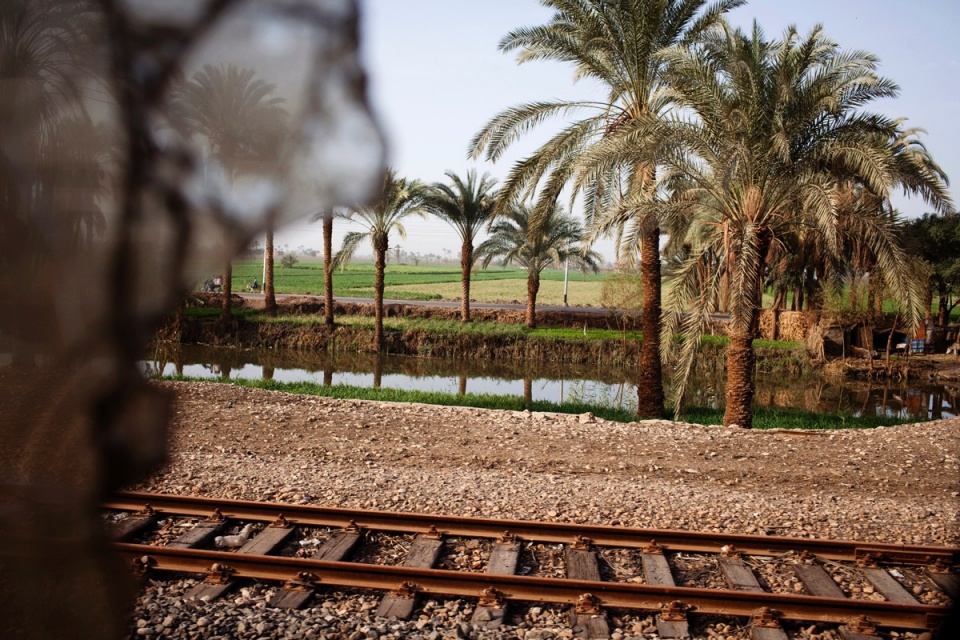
point(114, 199)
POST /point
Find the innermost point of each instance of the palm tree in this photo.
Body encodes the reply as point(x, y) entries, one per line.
point(556, 239)
point(467, 207)
point(328, 269)
point(244, 125)
point(778, 128)
point(269, 295)
point(47, 57)
point(47, 53)
point(616, 43)
point(398, 199)
point(327, 218)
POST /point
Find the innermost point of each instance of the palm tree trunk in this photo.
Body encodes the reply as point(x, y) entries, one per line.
point(780, 301)
point(527, 392)
point(942, 318)
point(740, 384)
point(466, 261)
point(328, 270)
point(725, 292)
point(227, 312)
point(380, 252)
point(876, 295)
point(650, 382)
point(533, 287)
point(269, 296)
point(741, 359)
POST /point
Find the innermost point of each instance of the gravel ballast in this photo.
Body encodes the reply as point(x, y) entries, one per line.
point(895, 484)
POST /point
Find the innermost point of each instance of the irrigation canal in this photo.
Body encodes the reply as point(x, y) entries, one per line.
point(599, 385)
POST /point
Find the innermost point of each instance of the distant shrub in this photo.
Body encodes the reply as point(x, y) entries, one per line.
point(288, 260)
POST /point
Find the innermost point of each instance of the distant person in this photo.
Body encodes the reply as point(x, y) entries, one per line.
point(256, 285)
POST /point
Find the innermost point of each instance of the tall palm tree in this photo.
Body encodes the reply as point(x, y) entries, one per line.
point(244, 124)
point(327, 218)
point(616, 43)
point(778, 127)
point(467, 207)
point(47, 53)
point(399, 199)
point(47, 57)
point(269, 294)
point(328, 269)
point(556, 239)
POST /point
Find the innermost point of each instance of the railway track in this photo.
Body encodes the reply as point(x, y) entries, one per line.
point(774, 582)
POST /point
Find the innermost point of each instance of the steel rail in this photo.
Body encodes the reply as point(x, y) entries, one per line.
point(622, 595)
point(555, 532)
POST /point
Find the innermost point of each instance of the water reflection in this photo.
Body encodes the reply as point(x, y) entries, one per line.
point(598, 385)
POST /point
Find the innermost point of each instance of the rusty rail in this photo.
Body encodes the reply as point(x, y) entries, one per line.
point(531, 589)
point(554, 532)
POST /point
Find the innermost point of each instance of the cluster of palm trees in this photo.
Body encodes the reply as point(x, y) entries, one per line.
point(468, 206)
point(746, 151)
point(754, 156)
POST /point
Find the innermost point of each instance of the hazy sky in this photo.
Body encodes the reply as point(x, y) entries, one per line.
point(436, 76)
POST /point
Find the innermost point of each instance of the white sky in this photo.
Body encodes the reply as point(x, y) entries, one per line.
point(436, 76)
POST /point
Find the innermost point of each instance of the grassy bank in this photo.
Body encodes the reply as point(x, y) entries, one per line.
point(450, 327)
point(763, 418)
point(505, 338)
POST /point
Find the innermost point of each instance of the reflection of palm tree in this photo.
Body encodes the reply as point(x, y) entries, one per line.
point(779, 128)
point(328, 373)
point(46, 58)
point(237, 114)
point(398, 199)
point(467, 207)
point(45, 52)
point(243, 123)
point(554, 241)
point(616, 43)
point(377, 371)
point(73, 171)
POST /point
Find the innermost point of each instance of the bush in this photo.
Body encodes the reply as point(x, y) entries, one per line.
point(288, 260)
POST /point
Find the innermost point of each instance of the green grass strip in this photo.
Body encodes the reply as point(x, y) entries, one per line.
point(764, 418)
point(786, 418)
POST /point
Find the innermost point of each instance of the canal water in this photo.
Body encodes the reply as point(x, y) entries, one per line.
point(597, 385)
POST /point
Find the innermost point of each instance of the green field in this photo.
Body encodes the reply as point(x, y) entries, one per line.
point(426, 282)
point(442, 282)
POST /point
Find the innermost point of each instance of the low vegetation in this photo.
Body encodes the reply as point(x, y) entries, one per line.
point(764, 418)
